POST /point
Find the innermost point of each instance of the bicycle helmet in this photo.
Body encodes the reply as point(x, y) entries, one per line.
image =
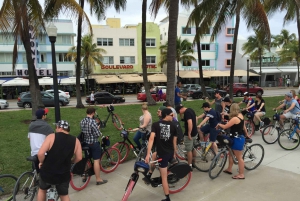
point(124, 134)
point(276, 117)
point(110, 108)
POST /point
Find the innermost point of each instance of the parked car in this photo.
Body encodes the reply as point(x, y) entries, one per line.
point(105, 98)
point(211, 92)
point(240, 88)
point(60, 92)
point(189, 89)
point(142, 96)
point(25, 101)
point(3, 104)
point(153, 90)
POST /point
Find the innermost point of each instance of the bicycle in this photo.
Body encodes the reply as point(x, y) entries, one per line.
point(7, 183)
point(289, 138)
point(250, 156)
point(82, 171)
point(116, 120)
point(28, 183)
point(179, 176)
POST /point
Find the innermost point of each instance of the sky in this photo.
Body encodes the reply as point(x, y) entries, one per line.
point(133, 15)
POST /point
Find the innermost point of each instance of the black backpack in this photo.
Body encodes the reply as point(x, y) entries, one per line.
point(179, 131)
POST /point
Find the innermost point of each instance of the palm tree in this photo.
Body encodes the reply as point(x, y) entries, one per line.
point(283, 39)
point(184, 49)
point(98, 8)
point(256, 46)
point(90, 55)
point(18, 18)
point(218, 12)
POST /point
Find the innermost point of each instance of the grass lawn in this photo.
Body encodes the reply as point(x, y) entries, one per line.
point(14, 145)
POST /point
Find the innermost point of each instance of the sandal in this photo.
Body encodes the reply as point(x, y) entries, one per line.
point(227, 172)
point(237, 177)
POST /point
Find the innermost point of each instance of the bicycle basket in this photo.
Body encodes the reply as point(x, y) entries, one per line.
point(105, 141)
point(266, 121)
point(276, 117)
point(110, 108)
point(249, 115)
point(124, 134)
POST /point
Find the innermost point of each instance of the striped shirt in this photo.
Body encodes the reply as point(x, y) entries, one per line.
point(90, 129)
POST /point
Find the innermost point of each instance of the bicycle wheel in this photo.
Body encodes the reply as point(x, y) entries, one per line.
point(250, 128)
point(142, 154)
point(201, 161)
point(128, 190)
point(288, 139)
point(117, 121)
point(270, 134)
point(79, 182)
point(123, 149)
point(181, 153)
point(253, 156)
point(110, 160)
point(26, 187)
point(176, 185)
point(217, 165)
point(7, 183)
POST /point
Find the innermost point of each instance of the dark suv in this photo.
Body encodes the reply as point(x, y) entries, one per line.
point(105, 98)
point(240, 88)
point(48, 100)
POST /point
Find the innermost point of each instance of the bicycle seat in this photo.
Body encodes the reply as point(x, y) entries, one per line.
point(32, 158)
point(248, 140)
point(85, 148)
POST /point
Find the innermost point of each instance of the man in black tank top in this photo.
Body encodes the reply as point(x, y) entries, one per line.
point(55, 166)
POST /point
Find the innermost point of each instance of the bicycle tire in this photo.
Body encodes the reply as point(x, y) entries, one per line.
point(123, 148)
point(250, 127)
point(270, 134)
point(202, 163)
point(217, 165)
point(116, 120)
point(142, 154)
point(25, 188)
point(128, 190)
point(286, 142)
point(252, 154)
point(7, 183)
point(181, 152)
point(174, 187)
point(110, 160)
point(79, 182)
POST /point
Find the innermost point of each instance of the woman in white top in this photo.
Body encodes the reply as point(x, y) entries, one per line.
point(145, 125)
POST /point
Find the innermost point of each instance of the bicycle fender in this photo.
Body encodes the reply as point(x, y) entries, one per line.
point(181, 169)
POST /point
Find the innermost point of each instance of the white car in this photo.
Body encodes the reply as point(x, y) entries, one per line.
point(3, 104)
point(60, 92)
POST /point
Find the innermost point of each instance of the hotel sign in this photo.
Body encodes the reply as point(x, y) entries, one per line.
point(39, 72)
point(123, 67)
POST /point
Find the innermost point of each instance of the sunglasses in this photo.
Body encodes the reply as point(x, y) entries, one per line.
point(171, 115)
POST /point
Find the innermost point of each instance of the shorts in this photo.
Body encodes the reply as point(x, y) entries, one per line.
point(212, 132)
point(165, 160)
point(62, 189)
point(289, 115)
point(238, 143)
point(94, 149)
point(189, 144)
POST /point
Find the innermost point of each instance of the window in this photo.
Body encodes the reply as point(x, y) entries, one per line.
point(127, 60)
point(160, 36)
point(126, 42)
point(104, 41)
point(6, 39)
point(207, 32)
point(24, 59)
point(205, 47)
point(108, 60)
point(151, 59)
point(64, 39)
point(186, 30)
point(65, 73)
point(230, 31)
point(41, 39)
point(43, 57)
point(228, 47)
point(205, 62)
point(6, 57)
point(5, 73)
point(150, 42)
point(228, 62)
point(62, 57)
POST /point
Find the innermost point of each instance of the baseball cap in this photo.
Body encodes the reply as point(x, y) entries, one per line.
point(205, 105)
point(63, 124)
point(41, 112)
point(165, 112)
point(161, 108)
point(226, 99)
point(178, 107)
point(217, 91)
point(289, 95)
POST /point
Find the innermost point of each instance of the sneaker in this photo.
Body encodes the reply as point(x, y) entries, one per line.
point(146, 180)
point(261, 124)
point(295, 140)
point(256, 127)
point(167, 199)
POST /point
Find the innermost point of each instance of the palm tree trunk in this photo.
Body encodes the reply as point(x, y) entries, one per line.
point(171, 54)
point(204, 92)
point(150, 100)
point(235, 36)
point(298, 27)
point(87, 77)
point(78, 59)
point(178, 71)
point(260, 61)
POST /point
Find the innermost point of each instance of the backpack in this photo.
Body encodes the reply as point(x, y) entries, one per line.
point(179, 131)
point(218, 116)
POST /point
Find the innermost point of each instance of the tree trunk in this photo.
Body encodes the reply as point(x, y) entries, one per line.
point(235, 36)
point(78, 59)
point(260, 61)
point(87, 77)
point(178, 72)
point(204, 92)
point(34, 86)
point(298, 27)
point(171, 54)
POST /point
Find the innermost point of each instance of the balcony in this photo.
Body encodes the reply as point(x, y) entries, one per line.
point(273, 64)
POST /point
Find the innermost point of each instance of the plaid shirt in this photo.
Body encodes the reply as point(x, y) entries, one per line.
point(90, 129)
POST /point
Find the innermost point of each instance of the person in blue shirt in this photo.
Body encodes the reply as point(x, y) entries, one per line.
point(211, 117)
point(249, 103)
point(178, 95)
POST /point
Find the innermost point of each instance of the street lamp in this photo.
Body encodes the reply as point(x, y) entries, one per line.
point(248, 75)
point(52, 33)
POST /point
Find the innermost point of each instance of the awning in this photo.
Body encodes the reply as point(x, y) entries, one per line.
point(46, 81)
point(267, 70)
point(2, 81)
point(188, 74)
point(16, 82)
point(107, 79)
point(216, 73)
point(71, 81)
point(157, 78)
point(289, 70)
point(242, 73)
point(131, 78)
